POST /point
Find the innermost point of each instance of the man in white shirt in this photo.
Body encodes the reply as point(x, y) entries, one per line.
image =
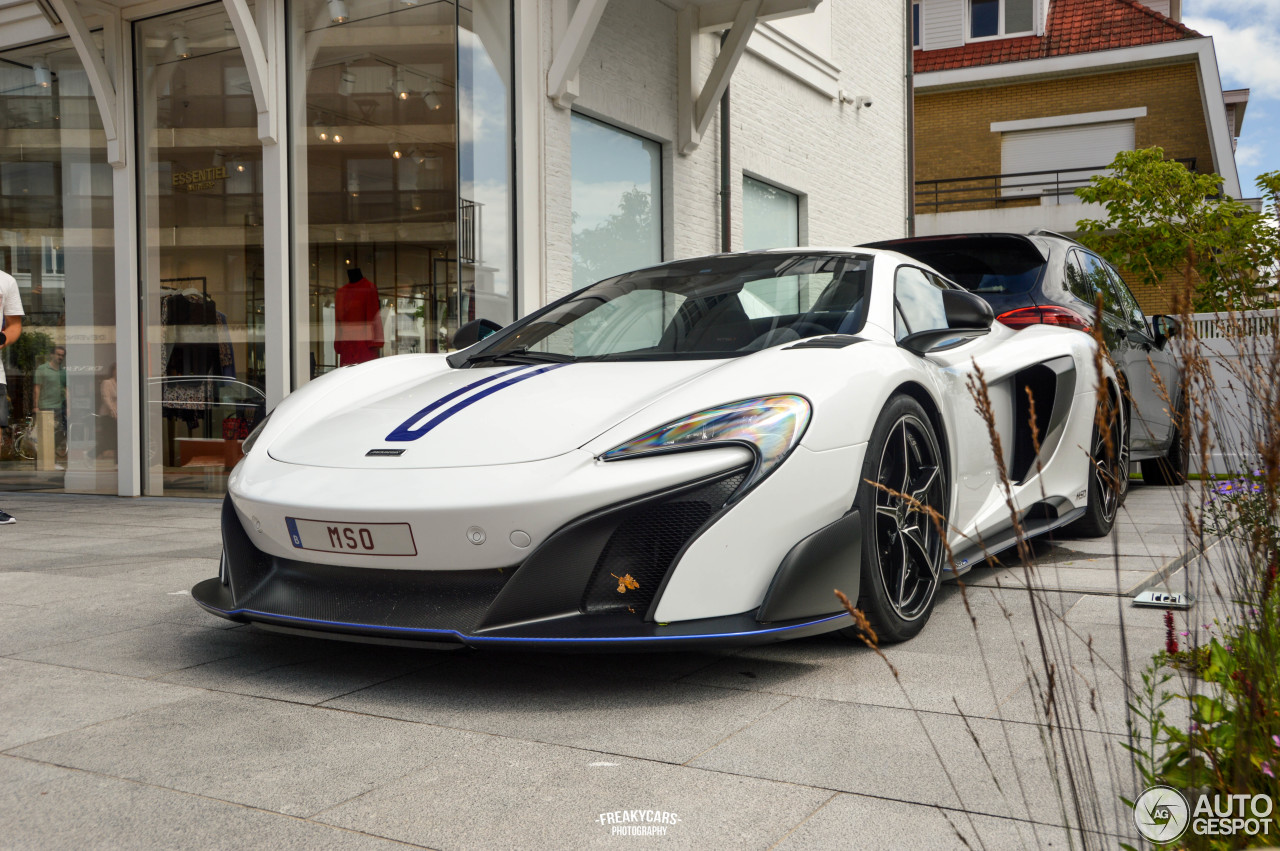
point(10, 329)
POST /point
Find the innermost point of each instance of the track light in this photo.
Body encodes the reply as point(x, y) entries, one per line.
point(338, 13)
point(431, 99)
point(322, 132)
point(181, 47)
point(337, 138)
point(44, 77)
point(398, 87)
point(394, 148)
point(347, 82)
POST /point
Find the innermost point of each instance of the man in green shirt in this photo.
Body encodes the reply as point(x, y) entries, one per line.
point(51, 386)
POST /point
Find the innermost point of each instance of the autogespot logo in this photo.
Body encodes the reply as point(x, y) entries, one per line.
point(1161, 814)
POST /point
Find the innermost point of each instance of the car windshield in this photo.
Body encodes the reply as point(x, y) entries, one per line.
point(712, 307)
point(982, 265)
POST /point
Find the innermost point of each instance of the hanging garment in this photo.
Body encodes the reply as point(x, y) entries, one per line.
point(359, 323)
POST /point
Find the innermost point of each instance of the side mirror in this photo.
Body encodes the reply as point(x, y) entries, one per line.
point(474, 331)
point(967, 315)
point(1165, 328)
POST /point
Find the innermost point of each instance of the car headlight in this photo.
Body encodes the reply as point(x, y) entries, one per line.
point(247, 444)
point(770, 426)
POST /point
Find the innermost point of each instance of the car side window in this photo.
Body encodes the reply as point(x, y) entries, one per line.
point(1099, 280)
point(917, 303)
point(1077, 282)
point(1128, 304)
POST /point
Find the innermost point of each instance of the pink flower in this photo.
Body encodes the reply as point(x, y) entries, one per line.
point(1276, 740)
point(1266, 769)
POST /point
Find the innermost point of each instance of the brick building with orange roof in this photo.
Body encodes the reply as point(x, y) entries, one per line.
point(1019, 102)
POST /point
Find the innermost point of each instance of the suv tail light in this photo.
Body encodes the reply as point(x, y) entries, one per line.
point(1060, 316)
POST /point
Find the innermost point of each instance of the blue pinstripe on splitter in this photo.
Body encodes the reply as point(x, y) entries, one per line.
point(404, 432)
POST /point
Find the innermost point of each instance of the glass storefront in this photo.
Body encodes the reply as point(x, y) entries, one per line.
point(401, 173)
point(399, 212)
point(200, 204)
point(56, 241)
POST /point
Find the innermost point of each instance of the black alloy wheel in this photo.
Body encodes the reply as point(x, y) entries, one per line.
point(1105, 490)
point(902, 548)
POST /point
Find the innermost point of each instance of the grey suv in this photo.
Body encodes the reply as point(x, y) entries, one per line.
point(1044, 277)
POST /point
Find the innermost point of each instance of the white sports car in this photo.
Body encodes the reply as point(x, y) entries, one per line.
point(679, 455)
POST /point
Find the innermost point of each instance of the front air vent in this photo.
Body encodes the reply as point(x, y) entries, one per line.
point(831, 341)
point(642, 549)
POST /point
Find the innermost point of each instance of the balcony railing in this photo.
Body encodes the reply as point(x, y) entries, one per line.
point(1015, 189)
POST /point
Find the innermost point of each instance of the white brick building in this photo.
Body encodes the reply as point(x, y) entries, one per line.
point(189, 190)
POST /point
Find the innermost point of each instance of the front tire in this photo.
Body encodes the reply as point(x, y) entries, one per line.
point(902, 547)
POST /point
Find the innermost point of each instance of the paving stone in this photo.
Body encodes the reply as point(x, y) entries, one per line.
point(46, 807)
point(513, 794)
point(262, 753)
point(884, 752)
point(873, 824)
point(148, 651)
point(602, 710)
point(43, 700)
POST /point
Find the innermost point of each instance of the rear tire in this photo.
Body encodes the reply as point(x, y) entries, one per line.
point(1171, 468)
point(902, 550)
point(1105, 492)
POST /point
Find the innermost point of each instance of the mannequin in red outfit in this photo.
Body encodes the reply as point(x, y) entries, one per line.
point(358, 331)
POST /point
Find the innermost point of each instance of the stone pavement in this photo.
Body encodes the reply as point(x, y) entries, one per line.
point(129, 718)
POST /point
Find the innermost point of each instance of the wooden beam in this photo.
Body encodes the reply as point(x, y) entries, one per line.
point(719, 15)
point(100, 81)
point(257, 65)
point(735, 44)
point(687, 38)
point(571, 49)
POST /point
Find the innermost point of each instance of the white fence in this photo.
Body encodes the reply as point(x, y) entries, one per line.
point(1238, 348)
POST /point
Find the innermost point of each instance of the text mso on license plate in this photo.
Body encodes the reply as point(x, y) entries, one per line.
point(370, 539)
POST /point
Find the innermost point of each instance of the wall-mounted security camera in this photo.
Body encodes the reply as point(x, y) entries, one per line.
point(858, 102)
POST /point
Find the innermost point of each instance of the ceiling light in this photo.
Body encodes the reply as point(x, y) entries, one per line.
point(398, 87)
point(338, 12)
point(347, 82)
point(394, 148)
point(337, 138)
point(44, 77)
point(322, 132)
point(181, 47)
point(240, 167)
point(431, 99)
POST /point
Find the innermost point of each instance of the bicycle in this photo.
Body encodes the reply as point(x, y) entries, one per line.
point(21, 439)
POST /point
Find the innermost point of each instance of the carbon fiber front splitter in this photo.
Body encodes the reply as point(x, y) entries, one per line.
point(578, 632)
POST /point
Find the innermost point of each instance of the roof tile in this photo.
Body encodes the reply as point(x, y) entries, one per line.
point(1074, 26)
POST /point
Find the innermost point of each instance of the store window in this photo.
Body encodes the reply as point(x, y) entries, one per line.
point(55, 240)
point(770, 216)
point(988, 18)
point(202, 260)
point(401, 173)
point(617, 201)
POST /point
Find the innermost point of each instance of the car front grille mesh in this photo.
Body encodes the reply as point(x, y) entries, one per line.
point(642, 549)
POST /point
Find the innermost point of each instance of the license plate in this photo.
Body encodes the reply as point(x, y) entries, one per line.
point(369, 539)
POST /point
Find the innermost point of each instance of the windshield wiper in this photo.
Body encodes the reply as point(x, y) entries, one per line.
point(519, 356)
